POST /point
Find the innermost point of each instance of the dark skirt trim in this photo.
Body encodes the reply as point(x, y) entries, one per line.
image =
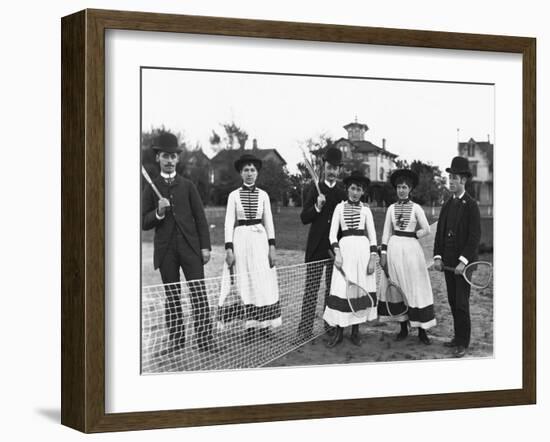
point(342, 305)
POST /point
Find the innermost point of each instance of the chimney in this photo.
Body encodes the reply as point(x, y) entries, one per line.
point(488, 139)
point(254, 144)
point(384, 143)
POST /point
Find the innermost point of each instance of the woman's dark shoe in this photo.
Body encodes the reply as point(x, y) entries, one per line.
point(404, 331)
point(423, 336)
point(355, 336)
point(336, 338)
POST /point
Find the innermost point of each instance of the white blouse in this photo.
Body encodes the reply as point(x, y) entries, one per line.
point(350, 217)
point(248, 205)
point(405, 218)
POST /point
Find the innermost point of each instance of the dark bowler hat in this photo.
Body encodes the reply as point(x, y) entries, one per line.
point(166, 142)
point(248, 159)
point(357, 177)
point(407, 173)
point(460, 166)
point(333, 156)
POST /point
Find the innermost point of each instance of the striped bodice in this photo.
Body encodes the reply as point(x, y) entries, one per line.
point(249, 201)
point(352, 215)
point(402, 213)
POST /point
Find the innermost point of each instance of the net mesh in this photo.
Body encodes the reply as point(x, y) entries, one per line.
point(177, 324)
point(203, 325)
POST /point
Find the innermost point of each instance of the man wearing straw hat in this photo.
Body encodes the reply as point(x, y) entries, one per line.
point(317, 211)
point(182, 240)
point(456, 244)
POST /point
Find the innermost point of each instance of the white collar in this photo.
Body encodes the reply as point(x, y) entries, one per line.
point(461, 195)
point(330, 186)
point(168, 175)
point(248, 185)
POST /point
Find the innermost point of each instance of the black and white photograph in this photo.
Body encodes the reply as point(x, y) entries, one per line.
point(305, 220)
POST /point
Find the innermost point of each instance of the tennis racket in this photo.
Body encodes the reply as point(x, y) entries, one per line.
point(230, 306)
point(359, 299)
point(150, 181)
point(393, 294)
point(311, 170)
point(478, 273)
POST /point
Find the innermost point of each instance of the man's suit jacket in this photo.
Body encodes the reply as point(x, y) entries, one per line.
point(186, 214)
point(318, 243)
point(467, 228)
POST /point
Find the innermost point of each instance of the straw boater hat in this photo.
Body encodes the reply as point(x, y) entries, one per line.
point(460, 166)
point(407, 173)
point(333, 156)
point(357, 177)
point(166, 142)
point(248, 159)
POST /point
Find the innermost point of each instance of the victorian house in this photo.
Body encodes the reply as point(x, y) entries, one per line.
point(480, 159)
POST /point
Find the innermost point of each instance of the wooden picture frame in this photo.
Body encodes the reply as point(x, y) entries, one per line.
point(83, 219)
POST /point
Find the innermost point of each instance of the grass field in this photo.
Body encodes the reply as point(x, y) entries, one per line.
point(291, 234)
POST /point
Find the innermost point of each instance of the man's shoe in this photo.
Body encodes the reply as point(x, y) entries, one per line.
point(177, 343)
point(208, 345)
point(301, 337)
point(337, 338)
point(450, 344)
point(249, 335)
point(460, 351)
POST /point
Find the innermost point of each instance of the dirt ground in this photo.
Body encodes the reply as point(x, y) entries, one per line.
point(378, 338)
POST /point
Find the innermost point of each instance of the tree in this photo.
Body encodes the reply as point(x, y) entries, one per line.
point(274, 179)
point(431, 185)
point(235, 138)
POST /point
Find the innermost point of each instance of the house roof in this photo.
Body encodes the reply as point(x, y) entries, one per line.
point(364, 126)
point(478, 143)
point(367, 147)
point(230, 155)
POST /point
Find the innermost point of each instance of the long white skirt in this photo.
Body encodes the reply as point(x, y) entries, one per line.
point(355, 252)
point(407, 268)
point(256, 282)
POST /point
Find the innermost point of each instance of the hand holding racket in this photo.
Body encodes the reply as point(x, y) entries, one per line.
point(478, 274)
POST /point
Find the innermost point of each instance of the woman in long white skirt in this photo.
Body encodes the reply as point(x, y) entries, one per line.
point(355, 253)
point(403, 258)
point(250, 248)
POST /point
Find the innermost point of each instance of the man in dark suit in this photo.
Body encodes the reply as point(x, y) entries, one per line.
point(182, 240)
point(317, 210)
point(456, 244)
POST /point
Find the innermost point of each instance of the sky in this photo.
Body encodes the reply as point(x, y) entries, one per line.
point(419, 120)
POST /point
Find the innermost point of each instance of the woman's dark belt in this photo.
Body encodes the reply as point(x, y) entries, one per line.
point(248, 222)
point(407, 234)
point(353, 233)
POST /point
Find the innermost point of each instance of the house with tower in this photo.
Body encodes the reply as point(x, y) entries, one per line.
point(480, 160)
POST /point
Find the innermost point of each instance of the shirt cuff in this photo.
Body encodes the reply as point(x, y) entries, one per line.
point(335, 245)
point(463, 260)
point(158, 216)
point(374, 249)
point(437, 257)
point(317, 208)
point(228, 245)
point(271, 241)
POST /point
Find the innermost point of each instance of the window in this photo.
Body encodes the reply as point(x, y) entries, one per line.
point(473, 169)
point(382, 176)
point(471, 149)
